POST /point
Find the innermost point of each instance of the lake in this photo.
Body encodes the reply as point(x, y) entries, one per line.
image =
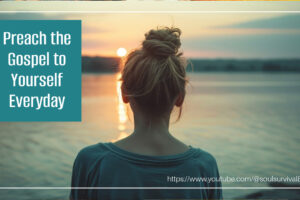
point(250, 122)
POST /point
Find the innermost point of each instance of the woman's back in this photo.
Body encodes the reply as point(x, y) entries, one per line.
point(153, 83)
point(106, 165)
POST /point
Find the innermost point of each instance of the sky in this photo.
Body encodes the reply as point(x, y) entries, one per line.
point(204, 35)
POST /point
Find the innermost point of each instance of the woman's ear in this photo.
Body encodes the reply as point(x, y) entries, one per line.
point(179, 100)
point(125, 98)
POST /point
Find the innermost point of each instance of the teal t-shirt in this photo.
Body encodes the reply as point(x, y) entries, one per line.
point(106, 165)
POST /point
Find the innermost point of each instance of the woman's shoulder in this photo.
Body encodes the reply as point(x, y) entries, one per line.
point(205, 160)
point(203, 155)
point(91, 153)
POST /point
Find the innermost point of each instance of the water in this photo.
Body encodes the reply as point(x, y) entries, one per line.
point(249, 122)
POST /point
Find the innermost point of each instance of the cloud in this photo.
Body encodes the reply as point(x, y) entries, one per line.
point(248, 46)
point(291, 21)
point(281, 39)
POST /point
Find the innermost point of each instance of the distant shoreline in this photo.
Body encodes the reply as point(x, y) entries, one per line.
point(111, 64)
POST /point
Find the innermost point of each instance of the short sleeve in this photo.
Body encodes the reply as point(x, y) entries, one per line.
point(79, 179)
point(215, 193)
point(86, 162)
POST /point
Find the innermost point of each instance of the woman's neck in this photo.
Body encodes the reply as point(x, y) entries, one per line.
point(144, 125)
point(152, 137)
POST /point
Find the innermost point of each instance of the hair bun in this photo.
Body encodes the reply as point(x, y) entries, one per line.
point(162, 42)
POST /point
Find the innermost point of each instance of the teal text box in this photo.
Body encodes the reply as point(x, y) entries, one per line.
point(24, 103)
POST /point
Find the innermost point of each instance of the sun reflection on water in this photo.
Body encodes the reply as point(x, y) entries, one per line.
point(121, 106)
point(122, 113)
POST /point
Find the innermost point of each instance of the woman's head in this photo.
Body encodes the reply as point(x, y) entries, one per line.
point(154, 77)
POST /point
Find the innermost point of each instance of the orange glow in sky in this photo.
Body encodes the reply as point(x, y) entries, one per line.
point(209, 34)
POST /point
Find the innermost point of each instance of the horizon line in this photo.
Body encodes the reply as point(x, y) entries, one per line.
point(200, 58)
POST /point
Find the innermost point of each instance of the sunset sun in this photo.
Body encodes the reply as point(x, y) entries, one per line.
point(121, 52)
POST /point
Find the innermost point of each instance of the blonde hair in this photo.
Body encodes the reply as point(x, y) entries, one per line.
point(154, 75)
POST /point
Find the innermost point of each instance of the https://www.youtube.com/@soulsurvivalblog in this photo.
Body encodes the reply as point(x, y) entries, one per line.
point(32, 61)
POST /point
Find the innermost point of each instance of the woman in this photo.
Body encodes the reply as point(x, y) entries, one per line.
point(153, 83)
